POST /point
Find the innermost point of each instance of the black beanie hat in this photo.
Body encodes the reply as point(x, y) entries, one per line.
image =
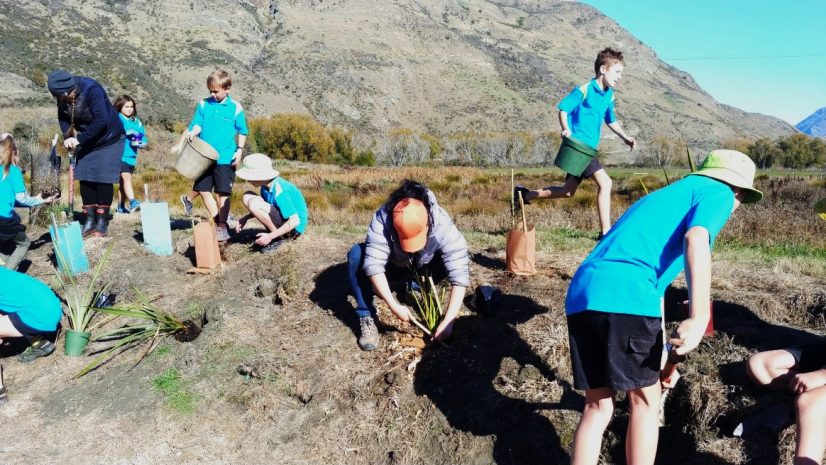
point(60, 82)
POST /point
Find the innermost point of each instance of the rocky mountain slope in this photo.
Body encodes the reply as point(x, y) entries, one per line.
point(814, 124)
point(440, 66)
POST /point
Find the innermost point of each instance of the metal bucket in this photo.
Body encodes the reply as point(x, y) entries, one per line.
point(196, 157)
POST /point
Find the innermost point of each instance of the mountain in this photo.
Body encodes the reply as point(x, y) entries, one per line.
point(814, 124)
point(439, 66)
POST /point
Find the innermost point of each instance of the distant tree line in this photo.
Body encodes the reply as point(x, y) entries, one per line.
point(796, 151)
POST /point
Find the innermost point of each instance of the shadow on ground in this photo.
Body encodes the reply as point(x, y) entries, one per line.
point(461, 381)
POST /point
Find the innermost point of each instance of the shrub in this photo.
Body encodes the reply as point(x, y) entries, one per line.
point(292, 137)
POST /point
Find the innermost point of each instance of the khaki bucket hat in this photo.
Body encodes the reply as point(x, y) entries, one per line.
point(733, 168)
point(256, 167)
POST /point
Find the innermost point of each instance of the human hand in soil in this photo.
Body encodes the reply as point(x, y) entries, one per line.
point(443, 331)
point(687, 336)
point(401, 312)
point(263, 239)
point(71, 143)
point(803, 382)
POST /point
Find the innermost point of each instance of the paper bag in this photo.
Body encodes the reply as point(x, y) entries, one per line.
point(520, 247)
point(207, 254)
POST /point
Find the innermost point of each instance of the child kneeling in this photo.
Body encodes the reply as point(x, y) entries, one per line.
point(280, 207)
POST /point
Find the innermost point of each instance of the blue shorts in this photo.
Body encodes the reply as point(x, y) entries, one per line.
point(614, 350)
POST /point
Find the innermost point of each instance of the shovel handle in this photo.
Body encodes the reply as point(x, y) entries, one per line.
point(522, 209)
point(146, 192)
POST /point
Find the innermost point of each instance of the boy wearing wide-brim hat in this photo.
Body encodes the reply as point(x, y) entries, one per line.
point(614, 301)
point(280, 207)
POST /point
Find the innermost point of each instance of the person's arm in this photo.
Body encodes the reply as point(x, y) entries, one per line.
point(629, 141)
point(445, 328)
point(197, 121)
point(563, 123)
point(23, 199)
point(291, 223)
point(236, 158)
point(802, 382)
point(698, 277)
point(382, 288)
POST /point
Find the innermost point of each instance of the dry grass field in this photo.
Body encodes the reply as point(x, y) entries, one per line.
point(277, 377)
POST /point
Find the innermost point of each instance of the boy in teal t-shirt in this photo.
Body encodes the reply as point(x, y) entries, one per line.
point(581, 114)
point(220, 121)
point(280, 207)
point(614, 301)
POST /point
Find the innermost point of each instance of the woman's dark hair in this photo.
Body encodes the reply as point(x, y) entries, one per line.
point(121, 101)
point(410, 189)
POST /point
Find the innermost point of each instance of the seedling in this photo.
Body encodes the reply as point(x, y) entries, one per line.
point(428, 299)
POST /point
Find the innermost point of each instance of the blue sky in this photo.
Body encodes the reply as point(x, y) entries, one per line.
point(764, 56)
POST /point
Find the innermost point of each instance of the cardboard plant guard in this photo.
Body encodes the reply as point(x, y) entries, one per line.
point(520, 249)
point(207, 254)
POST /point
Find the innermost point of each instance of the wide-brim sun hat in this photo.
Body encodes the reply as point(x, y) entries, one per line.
point(256, 167)
point(410, 222)
point(733, 168)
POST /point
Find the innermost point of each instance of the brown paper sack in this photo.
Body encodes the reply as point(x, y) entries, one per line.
point(520, 251)
point(207, 254)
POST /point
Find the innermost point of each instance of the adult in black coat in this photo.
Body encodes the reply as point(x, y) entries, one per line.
point(92, 130)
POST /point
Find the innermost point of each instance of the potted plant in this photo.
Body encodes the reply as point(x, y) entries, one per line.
point(80, 299)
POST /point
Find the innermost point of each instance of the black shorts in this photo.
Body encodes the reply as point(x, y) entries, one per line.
point(617, 351)
point(589, 170)
point(809, 357)
point(27, 331)
point(218, 178)
point(126, 168)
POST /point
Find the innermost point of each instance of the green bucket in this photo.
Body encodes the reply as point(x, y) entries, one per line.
point(76, 342)
point(574, 156)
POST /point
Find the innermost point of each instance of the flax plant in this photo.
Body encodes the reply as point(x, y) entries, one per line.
point(80, 298)
point(428, 299)
point(153, 323)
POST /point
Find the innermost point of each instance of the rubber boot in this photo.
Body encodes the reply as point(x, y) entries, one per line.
point(102, 226)
point(89, 225)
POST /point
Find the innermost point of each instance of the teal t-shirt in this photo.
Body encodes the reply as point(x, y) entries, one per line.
point(288, 200)
point(10, 185)
point(130, 153)
point(220, 123)
point(587, 107)
point(30, 299)
point(631, 267)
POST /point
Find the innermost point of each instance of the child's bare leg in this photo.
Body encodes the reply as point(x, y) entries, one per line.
point(223, 205)
point(643, 425)
point(811, 427)
point(599, 408)
point(260, 209)
point(773, 368)
point(209, 203)
point(126, 187)
point(566, 190)
point(603, 199)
